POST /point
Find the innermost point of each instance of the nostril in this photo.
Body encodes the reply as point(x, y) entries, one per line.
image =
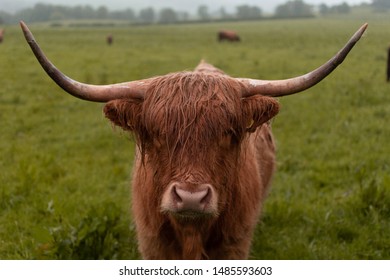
point(206, 199)
point(175, 196)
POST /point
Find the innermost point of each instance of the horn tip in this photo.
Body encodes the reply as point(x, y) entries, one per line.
point(359, 33)
point(23, 25)
point(364, 27)
point(27, 33)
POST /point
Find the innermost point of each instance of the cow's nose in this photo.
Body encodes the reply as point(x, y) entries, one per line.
point(187, 198)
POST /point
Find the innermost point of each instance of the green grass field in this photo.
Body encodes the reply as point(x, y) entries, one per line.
point(65, 172)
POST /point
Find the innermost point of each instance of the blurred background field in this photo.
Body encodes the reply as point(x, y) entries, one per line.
point(65, 171)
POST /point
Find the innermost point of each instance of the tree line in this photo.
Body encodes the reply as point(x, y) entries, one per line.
point(47, 12)
point(295, 8)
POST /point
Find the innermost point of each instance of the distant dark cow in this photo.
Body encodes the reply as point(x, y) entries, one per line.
point(388, 64)
point(205, 153)
point(109, 39)
point(228, 35)
point(1, 35)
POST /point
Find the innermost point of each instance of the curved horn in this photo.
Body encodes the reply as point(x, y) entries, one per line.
point(96, 93)
point(290, 86)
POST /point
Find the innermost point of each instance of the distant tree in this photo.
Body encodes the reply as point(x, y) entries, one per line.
point(381, 5)
point(167, 15)
point(343, 8)
point(80, 12)
point(57, 15)
point(40, 12)
point(127, 14)
point(296, 8)
point(224, 14)
point(87, 11)
point(183, 16)
point(102, 12)
point(203, 12)
point(248, 12)
point(147, 15)
point(6, 18)
point(324, 9)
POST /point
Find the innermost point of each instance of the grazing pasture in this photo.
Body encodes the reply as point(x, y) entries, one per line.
point(65, 171)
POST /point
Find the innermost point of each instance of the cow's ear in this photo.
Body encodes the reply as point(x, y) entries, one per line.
point(124, 113)
point(258, 110)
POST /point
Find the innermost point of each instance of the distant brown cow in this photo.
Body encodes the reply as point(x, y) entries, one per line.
point(388, 64)
point(205, 153)
point(109, 39)
point(1, 35)
point(228, 35)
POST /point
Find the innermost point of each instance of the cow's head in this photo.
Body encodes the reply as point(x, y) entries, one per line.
point(190, 125)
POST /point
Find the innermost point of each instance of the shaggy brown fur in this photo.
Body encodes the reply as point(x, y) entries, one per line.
point(228, 35)
point(388, 64)
point(109, 39)
point(194, 128)
point(1, 35)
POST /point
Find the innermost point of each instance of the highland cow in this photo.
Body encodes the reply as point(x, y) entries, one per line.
point(388, 65)
point(1, 35)
point(109, 39)
point(228, 35)
point(205, 153)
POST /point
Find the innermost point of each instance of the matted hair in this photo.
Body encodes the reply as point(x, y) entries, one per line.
point(189, 110)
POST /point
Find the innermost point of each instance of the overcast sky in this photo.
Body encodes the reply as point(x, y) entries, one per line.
point(179, 5)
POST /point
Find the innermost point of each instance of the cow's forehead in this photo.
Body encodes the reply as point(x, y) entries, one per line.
point(187, 87)
point(191, 99)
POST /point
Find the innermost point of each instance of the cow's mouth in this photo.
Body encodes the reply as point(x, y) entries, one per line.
point(192, 215)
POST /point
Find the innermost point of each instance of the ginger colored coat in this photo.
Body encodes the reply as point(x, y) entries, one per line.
point(204, 162)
